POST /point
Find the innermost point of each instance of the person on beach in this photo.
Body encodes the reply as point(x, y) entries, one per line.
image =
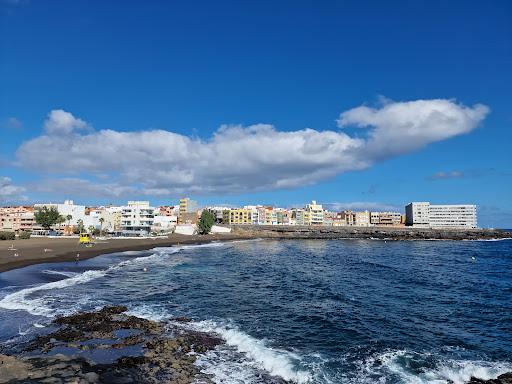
point(77, 259)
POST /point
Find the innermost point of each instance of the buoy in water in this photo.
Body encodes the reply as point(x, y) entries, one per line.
point(473, 258)
point(145, 269)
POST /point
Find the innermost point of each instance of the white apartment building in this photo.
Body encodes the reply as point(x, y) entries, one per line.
point(163, 223)
point(316, 213)
point(77, 212)
point(137, 218)
point(426, 215)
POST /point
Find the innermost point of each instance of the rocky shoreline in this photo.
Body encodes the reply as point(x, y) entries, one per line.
point(380, 233)
point(110, 346)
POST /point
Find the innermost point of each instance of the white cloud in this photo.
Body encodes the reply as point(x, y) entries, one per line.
point(9, 192)
point(363, 205)
point(243, 159)
point(401, 127)
point(76, 187)
point(62, 122)
point(447, 175)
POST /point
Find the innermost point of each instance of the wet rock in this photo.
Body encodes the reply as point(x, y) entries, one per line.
point(148, 353)
point(506, 378)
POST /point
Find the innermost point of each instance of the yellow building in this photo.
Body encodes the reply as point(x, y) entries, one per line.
point(237, 216)
point(313, 214)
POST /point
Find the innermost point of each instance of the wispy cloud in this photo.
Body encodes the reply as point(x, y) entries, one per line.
point(240, 159)
point(10, 193)
point(468, 173)
point(11, 123)
point(447, 175)
point(362, 206)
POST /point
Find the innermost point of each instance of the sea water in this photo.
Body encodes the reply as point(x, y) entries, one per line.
point(307, 311)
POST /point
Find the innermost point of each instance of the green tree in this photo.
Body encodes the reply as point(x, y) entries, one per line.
point(91, 229)
point(68, 218)
point(47, 217)
point(205, 222)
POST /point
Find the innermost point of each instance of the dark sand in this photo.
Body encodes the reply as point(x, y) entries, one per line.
point(51, 250)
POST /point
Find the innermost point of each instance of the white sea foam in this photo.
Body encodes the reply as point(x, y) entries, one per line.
point(275, 361)
point(150, 312)
point(397, 363)
point(61, 273)
point(20, 300)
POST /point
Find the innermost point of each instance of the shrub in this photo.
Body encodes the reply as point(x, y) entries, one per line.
point(7, 236)
point(24, 235)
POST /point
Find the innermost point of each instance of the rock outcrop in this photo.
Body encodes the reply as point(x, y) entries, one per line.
point(109, 346)
point(382, 233)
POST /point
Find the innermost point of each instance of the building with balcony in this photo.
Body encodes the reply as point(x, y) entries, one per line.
point(386, 218)
point(137, 218)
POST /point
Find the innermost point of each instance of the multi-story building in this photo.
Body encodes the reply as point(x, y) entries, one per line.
point(169, 210)
point(418, 214)
point(424, 214)
point(17, 219)
point(385, 218)
point(218, 212)
point(362, 219)
point(137, 218)
point(187, 206)
point(66, 210)
point(237, 216)
point(315, 214)
point(351, 218)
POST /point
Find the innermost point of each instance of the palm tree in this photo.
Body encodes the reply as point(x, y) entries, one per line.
point(102, 220)
point(80, 223)
point(68, 218)
point(91, 228)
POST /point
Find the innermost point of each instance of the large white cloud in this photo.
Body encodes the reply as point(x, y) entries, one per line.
point(242, 159)
point(9, 192)
point(401, 127)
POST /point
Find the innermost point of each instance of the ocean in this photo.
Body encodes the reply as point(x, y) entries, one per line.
point(306, 311)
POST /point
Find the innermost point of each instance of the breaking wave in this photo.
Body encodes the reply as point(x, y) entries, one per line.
point(276, 362)
point(426, 368)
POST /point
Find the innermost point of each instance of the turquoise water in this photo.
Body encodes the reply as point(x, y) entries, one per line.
point(318, 311)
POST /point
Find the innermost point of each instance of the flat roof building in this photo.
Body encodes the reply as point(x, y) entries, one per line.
point(426, 215)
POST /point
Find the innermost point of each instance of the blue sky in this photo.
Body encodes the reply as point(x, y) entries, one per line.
point(140, 89)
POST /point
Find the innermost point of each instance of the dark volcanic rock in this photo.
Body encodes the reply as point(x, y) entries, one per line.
point(506, 378)
point(145, 354)
point(383, 233)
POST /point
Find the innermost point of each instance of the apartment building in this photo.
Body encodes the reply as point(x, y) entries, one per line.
point(16, 219)
point(426, 215)
point(68, 208)
point(187, 207)
point(385, 218)
point(351, 218)
point(237, 216)
point(315, 214)
point(137, 218)
point(218, 212)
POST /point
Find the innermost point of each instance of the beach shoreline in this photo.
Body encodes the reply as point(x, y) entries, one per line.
point(53, 250)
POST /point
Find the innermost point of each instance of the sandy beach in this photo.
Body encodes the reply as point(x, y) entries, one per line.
point(48, 250)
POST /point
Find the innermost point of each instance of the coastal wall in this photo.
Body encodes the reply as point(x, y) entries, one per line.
point(391, 233)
